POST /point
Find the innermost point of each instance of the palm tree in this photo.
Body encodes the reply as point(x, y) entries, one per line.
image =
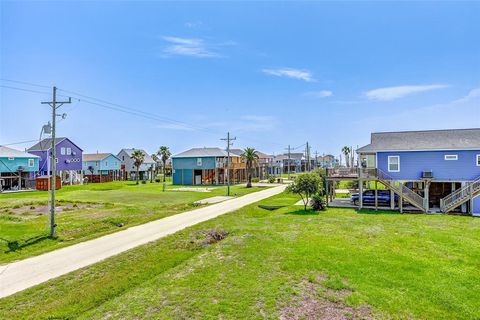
point(138, 157)
point(346, 152)
point(164, 153)
point(157, 160)
point(251, 157)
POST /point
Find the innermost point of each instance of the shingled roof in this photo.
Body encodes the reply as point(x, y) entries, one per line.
point(451, 139)
point(14, 153)
point(203, 152)
point(96, 156)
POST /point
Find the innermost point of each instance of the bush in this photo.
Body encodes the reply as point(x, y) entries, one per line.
point(271, 179)
point(144, 181)
point(255, 180)
point(318, 203)
point(306, 185)
point(157, 180)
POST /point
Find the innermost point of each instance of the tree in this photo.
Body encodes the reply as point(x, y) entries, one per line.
point(346, 151)
point(306, 185)
point(164, 154)
point(157, 160)
point(250, 157)
point(138, 157)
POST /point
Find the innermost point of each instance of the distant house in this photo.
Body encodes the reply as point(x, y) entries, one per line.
point(199, 166)
point(101, 167)
point(263, 164)
point(295, 162)
point(69, 159)
point(128, 169)
point(327, 161)
point(17, 169)
point(437, 170)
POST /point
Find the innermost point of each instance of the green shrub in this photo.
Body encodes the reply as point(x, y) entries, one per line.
point(271, 179)
point(255, 180)
point(318, 203)
point(144, 181)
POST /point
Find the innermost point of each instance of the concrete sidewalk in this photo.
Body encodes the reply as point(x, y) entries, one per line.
point(24, 274)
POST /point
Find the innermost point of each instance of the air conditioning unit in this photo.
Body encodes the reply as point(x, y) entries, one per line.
point(427, 175)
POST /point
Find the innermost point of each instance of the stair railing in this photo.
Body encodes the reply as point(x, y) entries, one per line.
point(412, 197)
point(459, 196)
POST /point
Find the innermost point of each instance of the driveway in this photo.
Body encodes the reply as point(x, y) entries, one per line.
point(23, 274)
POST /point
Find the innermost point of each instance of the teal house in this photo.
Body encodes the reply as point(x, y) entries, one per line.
point(17, 169)
point(101, 167)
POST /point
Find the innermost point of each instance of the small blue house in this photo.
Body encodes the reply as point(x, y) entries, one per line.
point(101, 167)
point(203, 166)
point(436, 170)
point(17, 168)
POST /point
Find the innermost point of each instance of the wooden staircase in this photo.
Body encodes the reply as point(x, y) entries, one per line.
point(460, 196)
point(403, 191)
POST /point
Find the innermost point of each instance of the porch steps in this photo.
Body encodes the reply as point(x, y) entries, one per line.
point(460, 196)
point(412, 197)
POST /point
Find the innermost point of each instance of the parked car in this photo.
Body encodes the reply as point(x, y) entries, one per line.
point(369, 197)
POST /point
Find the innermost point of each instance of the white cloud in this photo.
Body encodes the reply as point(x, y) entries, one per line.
point(319, 94)
point(304, 75)
point(473, 94)
point(194, 47)
point(392, 93)
point(193, 24)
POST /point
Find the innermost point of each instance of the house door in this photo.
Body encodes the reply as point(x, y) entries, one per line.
point(198, 176)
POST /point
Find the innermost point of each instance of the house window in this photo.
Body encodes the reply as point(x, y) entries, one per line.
point(62, 151)
point(123, 158)
point(31, 163)
point(394, 163)
point(69, 151)
point(106, 163)
point(478, 160)
point(199, 162)
point(451, 157)
point(96, 163)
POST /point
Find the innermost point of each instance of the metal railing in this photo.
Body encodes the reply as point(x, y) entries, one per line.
point(402, 190)
point(343, 172)
point(459, 196)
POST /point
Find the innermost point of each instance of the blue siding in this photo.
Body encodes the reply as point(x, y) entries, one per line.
point(413, 163)
point(183, 168)
point(7, 165)
point(191, 163)
point(476, 205)
point(183, 176)
point(109, 163)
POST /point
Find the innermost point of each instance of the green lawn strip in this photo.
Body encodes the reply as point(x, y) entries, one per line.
point(101, 209)
point(402, 266)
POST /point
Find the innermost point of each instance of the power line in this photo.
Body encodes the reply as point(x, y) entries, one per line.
point(19, 142)
point(27, 83)
point(125, 109)
point(22, 89)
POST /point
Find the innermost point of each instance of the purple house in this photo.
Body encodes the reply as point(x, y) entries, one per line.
point(69, 158)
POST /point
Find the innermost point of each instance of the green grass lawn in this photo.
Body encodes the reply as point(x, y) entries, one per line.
point(274, 263)
point(91, 210)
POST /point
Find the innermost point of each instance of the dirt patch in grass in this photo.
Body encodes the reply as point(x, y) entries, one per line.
point(36, 210)
point(313, 300)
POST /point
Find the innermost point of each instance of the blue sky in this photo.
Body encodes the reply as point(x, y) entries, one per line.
point(272, 74)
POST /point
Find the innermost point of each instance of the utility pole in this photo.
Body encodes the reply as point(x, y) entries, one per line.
point(307, 168)
point(316, 159)
point(288, 168)
point(228, 139)
point(55, 105)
